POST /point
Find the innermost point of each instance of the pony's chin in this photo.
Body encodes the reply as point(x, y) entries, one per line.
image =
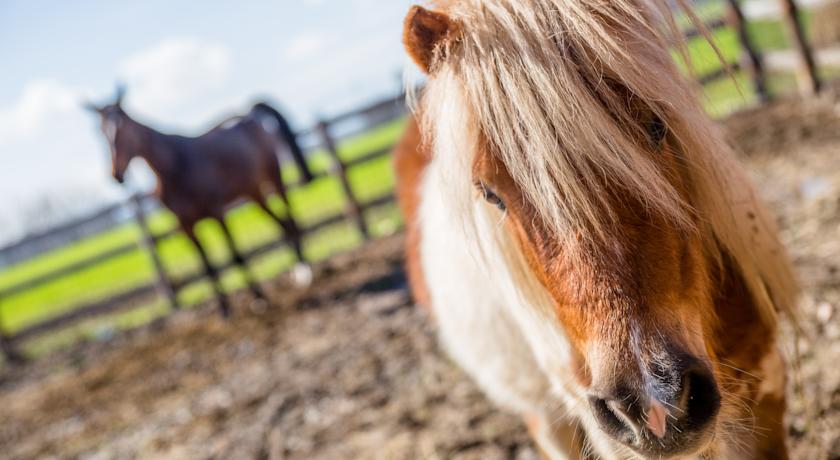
point(700, 445)
point(699, 448)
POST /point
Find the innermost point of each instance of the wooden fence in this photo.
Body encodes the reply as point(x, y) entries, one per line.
point(801, 58)
point(752, 61)
point(139, 206)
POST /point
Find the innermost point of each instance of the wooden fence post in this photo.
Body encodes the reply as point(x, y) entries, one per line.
point(9, 353)
point(148, 242)
point(12, 356)
point(354, 209)
point(809, 81)
point(735, 17)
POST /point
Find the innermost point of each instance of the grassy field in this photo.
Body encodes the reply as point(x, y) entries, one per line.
point(324, 197)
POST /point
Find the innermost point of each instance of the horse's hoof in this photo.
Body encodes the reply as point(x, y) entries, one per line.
point(258, 293)
point(13, 358)
point(302, 275)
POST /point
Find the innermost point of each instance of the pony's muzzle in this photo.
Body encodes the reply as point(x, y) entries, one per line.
point(661, 423)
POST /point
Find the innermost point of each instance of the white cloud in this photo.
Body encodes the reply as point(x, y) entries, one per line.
point(175, 71)
point(168, 75)
point(48, 145)
point(350, 74)
point(305, 46)
point(40, 102)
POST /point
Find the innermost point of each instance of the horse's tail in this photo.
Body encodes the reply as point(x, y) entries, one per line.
point(288, 136)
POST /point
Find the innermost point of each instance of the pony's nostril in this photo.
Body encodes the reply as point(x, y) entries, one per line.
point(674, 417)
point(699, 398)
point(612, 421)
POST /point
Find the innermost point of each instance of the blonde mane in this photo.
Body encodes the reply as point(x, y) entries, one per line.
point(545, 84)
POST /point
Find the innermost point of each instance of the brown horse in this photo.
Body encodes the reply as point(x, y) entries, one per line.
point(593, 254)
point(198, 177)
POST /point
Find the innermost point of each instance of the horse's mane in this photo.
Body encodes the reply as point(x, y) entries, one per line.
point(555, 88)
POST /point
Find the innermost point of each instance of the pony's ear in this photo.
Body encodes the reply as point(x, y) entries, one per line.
point(424, 35)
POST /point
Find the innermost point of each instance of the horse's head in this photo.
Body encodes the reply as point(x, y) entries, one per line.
point(595, 186)
point(121, 142)
point(636, 305)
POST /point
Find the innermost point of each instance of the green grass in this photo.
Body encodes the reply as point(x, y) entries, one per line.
point(252, 228)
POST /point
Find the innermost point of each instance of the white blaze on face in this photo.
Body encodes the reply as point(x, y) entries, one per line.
point(503, 270)
point(110, 127)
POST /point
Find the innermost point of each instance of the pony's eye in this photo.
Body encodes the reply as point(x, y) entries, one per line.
point(657, 130)
point(490, 196)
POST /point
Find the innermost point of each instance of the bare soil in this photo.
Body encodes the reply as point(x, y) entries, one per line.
point(349, 369)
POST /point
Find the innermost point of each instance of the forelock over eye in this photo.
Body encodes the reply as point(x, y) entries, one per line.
point(491, 196)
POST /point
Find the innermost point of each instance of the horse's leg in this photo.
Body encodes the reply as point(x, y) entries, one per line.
point(253, 285)
point(302, 272)
point(769, 409)
point(770, 412)
point(288, 225)
point(211, 272)
point(560, 439)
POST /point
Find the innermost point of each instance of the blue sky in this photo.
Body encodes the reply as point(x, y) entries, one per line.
point(185, 63)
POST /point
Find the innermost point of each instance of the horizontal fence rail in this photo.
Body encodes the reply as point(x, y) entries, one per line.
point(41, 242)
point(128, 299)
point(67, 270)
point(323, 137)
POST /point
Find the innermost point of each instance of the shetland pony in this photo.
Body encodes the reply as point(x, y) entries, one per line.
point(198, 177)
point(595, 258)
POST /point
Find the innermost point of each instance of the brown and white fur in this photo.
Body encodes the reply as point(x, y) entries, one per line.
point(591, 251)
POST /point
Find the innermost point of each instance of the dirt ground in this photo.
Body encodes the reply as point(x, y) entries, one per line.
point(347, 369)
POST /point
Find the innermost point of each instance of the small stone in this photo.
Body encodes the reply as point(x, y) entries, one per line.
point(526, 453)
point(383, 304)
point(824, 312)
point(302, 275)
